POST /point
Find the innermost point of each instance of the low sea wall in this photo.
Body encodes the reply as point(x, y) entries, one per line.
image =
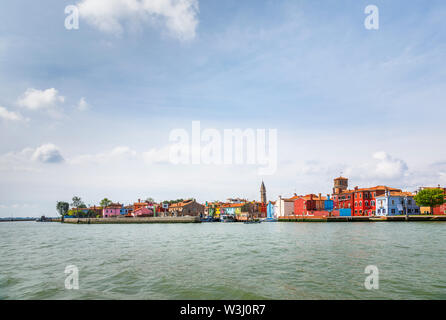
point(133, 220)
point(363, 219)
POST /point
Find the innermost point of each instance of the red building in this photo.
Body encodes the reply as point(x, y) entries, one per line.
point(362, 201)
point(304, 205)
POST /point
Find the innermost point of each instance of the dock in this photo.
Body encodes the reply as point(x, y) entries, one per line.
point(132, 220)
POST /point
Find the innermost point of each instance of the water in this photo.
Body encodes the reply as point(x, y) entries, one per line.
point(223, 261)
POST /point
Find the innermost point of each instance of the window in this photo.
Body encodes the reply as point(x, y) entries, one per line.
point(384, 210)
point(393, 201)
point(360, 195)
point(409, 202)
point(360, 203)
point(417, 211)
point(356, 204)
point(372, 203)
point(366, 203)
point(393, 210)
point(356, 196)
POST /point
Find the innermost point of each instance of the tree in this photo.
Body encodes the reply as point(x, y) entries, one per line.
point(105, 202)
point(150, 199)
point(77, 203)
point(430, 198)
point(62, 207)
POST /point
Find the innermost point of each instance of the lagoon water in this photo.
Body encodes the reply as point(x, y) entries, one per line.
point(223, 261)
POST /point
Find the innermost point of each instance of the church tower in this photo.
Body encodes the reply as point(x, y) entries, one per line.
point(263, 193)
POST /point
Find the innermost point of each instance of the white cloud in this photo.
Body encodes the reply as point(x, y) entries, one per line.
point(117, 154)
point(383, 166)
point(47, 153)
point(388, 167)
point(83, 105)
point(178, 16)
point(154, 155)
point(27, 159)
point(10, 115)
point(35, 99)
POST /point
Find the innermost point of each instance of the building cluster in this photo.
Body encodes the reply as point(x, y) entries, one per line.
point(372, 201)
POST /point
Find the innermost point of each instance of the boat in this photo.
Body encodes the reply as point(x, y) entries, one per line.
point(209, 219)
point(227, 218)
point(269, 220)
point(252, 221)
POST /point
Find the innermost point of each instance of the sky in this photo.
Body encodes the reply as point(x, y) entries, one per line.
point(88, 112)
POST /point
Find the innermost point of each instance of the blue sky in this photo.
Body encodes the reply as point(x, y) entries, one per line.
point(343, 98)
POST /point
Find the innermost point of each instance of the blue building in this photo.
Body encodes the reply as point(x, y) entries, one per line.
point(396, 203)
point(270, 211)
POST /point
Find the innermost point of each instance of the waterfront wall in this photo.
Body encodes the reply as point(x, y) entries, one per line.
point(133, 220)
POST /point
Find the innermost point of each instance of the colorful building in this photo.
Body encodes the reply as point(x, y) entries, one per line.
point(187, 208)
point(362, 201)
point(304, 205)
point(270, 210)
point(285, 206)
point(113, 210)
point(394, 203)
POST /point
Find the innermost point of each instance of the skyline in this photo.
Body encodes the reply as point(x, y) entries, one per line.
point(88, 112)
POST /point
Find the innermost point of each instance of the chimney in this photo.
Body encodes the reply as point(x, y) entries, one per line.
point(295, 194)
point(311, 196)
point(328, 197)
point(356, 188)
point(139, 200)
point(320, 196)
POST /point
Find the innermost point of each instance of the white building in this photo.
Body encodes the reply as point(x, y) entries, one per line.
point(284, 207)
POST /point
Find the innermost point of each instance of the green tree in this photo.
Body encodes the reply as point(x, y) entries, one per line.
point(62, 207)
point(105, 202)
point(77, 203)
point(430, 198)
point(150, 199)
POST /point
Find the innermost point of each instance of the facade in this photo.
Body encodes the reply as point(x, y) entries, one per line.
point(270, 211)
point(126, 211)
point(361, 201)
point(186, 208)
point(285, 207)
point(305, 205)
point(113, 210)
point(396, 203)
point(143, 212)
point(440, 210)
point(142, 204)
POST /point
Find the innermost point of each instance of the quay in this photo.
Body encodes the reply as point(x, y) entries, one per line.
point(412, 218)
point(130, 220)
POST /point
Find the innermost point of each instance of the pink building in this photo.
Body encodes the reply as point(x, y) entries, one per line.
point(112, 210)
point(143, 212)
